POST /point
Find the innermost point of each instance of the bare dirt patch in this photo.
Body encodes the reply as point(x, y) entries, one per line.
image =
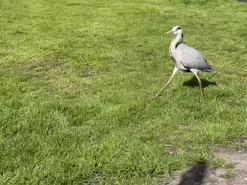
point(232, 176)
point(233, 173)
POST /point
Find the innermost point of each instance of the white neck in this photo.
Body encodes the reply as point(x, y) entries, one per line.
point(177, 40)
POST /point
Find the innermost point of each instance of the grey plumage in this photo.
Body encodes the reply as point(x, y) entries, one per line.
point(186, 58)
point(191, 58)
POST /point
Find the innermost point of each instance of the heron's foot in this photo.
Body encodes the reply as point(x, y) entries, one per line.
point(157, 95)
point(153, 98)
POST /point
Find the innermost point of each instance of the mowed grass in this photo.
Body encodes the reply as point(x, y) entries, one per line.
point(77, 80)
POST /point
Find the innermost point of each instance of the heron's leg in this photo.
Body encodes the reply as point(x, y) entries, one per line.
point(175, 70)
point(199, 81)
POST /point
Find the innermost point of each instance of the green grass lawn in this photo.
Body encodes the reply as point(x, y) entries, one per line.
point(77, 80)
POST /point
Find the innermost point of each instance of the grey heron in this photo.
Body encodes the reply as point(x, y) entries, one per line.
point(185, 58)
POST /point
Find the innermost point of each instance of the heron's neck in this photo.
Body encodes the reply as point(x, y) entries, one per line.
point(178, 40)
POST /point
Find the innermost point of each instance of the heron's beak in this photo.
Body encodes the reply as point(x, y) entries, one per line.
point(169, 32)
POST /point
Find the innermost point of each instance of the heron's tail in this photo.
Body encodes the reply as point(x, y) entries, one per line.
point(210, 70)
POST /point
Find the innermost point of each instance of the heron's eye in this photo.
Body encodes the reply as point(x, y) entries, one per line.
point(178, 28)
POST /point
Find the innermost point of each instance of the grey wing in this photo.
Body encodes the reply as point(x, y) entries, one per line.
point(191, 58)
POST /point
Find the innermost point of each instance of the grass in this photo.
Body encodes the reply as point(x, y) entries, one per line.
point(77, 78)
point(228, 175)
point(220, 162)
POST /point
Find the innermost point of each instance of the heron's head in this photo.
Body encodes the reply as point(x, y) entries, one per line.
point(175, 30)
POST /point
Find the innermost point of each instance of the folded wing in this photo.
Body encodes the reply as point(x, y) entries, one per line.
point(192, 59)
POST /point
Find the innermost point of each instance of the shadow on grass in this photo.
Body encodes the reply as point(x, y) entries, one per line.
point(193, 82)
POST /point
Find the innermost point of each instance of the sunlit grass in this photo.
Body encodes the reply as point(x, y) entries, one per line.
point(77, 81)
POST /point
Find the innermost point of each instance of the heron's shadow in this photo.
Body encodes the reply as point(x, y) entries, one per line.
point(193, 82)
